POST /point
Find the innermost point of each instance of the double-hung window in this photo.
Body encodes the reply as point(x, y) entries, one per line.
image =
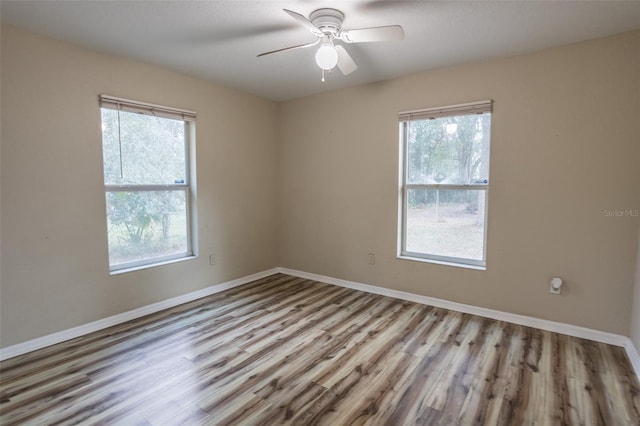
point(146, 151)
point(444, 183)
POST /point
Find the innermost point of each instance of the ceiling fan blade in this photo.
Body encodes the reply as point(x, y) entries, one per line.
point(304, 21)
point(345, 62)
point(364, 35)
point(300, 46)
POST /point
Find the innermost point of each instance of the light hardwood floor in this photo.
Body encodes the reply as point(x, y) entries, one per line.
point(285, 350)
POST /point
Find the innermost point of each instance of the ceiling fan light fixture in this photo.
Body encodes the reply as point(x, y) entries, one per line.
point(326, 25)
point(327, 56)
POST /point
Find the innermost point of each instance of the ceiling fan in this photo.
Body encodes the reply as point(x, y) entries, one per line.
point(326, 25)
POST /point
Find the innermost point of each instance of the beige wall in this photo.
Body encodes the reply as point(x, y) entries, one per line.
point(54, 247)
point(564, 149)
point(635, 315)
point(311, 184)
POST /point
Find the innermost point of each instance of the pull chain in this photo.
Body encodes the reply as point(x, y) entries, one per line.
point(323, 75)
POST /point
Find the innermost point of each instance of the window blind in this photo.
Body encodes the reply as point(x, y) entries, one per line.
point(128, 105)
point(447, 111)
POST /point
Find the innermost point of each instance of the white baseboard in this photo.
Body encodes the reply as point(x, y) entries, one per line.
point(557, 327)
point(72, 333)
point(634, 356)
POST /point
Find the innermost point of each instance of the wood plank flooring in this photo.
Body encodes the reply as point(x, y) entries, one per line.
point(285, 350)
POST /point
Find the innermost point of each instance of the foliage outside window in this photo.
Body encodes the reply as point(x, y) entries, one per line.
point(146, 176)
point(445, 183)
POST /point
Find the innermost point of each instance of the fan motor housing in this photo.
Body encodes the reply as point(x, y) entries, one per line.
point(329, 21)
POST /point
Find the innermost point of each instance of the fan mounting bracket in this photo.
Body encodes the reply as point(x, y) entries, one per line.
point(329, 21)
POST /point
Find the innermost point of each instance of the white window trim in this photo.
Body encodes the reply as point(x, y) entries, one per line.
point(424, 114)
point(128, 105)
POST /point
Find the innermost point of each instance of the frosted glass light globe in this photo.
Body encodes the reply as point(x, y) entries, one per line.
point(326, 56)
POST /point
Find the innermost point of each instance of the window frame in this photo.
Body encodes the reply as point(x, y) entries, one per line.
point(188, 118)
point(404, 119)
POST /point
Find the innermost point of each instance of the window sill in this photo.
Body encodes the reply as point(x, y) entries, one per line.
point(444, 263)
point(151, 265)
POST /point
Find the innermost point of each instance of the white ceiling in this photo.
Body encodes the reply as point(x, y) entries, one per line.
point(219, 40)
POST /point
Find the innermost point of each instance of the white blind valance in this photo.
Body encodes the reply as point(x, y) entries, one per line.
point(447, 111)
point(128, 105)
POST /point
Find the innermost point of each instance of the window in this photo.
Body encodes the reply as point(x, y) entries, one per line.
point(146, 151)
point(444, 178)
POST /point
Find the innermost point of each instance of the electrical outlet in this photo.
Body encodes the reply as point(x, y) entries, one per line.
point(372, 259)
point(555, 286)
point(212, 259)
